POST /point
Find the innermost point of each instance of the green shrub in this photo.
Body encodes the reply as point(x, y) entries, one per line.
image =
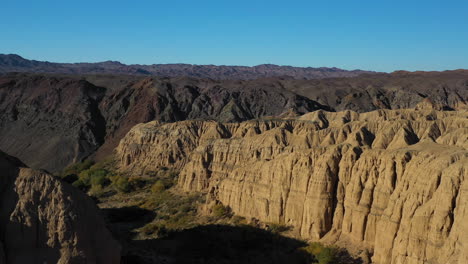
point(98, 177)
point(158, 187)
point(136, 182)
point(323, 254)
point(77, 168)
point(168, 177)
point(160, 201)
point(96, 190)
point(157, 229)
point(92, 177)
point(85, 177)
point(238, 220)
point(326, 256)
point(277, 228)
point(220, 211)
point(121, 183)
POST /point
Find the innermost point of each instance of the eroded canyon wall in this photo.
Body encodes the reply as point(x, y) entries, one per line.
point(389, 181)
point(44, 220)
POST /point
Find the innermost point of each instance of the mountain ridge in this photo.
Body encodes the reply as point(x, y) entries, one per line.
point(16, 63)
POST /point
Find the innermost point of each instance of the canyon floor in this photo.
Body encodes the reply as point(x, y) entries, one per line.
point(156, 222)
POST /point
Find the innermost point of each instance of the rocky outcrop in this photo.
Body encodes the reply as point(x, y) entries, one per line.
point(43, 220)
point(176, 99)
point(392, 182)
point(446, 90)
point(52, 121)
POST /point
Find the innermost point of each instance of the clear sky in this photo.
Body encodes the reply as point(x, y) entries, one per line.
point(379, 35)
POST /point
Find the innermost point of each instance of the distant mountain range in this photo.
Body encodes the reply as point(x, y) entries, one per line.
point(16, 63)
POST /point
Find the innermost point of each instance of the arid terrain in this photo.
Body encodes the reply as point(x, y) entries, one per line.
point(113, 163)
point(390, 182)
point(52, 121)
point(16, 63)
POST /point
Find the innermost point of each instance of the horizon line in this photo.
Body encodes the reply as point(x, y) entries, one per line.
point(229, 65)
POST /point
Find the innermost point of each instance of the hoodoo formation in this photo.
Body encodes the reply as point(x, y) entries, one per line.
point(389, 182)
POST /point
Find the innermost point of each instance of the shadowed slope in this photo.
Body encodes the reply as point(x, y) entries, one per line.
point(43, 220)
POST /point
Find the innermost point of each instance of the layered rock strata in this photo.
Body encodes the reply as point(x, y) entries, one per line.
point(43, 220)
point(390, 181)
point(53, 121)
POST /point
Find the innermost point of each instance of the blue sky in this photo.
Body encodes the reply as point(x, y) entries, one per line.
point(376, 35)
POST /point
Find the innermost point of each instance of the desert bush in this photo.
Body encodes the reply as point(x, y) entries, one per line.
point(136, 182)
point(158, 187)
point(322, 254)
point(326, 256)
point(92, 177)
point(175, 212)
point(277, 228)
point(96, 190)
point(239, 220)
point(157, 229)
point(221, 211)
point(168, 177)
point(98, 177)
point(121, 183)
point(77, 168)
point(86, 174)
point(107, 164)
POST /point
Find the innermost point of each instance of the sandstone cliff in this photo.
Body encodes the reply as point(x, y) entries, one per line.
point(43, 220)
point(390, 181)
point(52, 121)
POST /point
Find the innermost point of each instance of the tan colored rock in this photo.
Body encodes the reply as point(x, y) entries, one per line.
point(390, 182)
point(43, 220)
point(428, 104)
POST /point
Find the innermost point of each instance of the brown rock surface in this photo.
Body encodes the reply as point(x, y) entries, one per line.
point(390, 181)
point(43, 220)
point(52, 121)
point(399, 90)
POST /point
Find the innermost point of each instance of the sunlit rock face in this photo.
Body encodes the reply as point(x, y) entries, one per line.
point(390, 181)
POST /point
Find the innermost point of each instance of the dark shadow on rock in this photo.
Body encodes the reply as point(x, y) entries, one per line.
point(206, 244)
point(122, 221)
point(20, 242)
point(218, 244)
